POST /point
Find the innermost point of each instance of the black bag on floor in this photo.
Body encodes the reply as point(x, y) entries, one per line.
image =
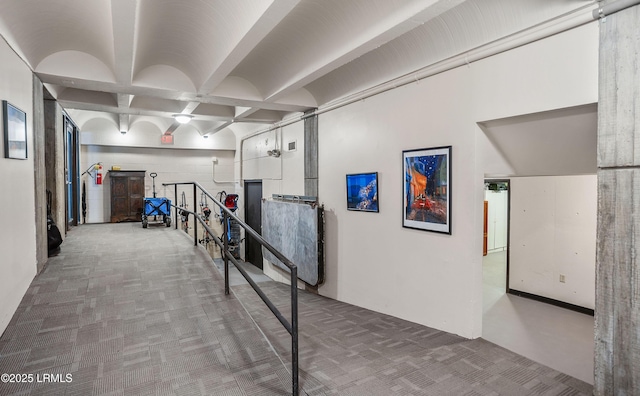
point(54, 238)
point(53, 235)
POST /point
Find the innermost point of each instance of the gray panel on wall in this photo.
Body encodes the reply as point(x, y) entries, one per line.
point(296, 231)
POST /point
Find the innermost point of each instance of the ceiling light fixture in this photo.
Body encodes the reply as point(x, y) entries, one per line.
point(183, 118)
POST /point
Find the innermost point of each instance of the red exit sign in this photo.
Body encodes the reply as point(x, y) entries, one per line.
point(167, 139)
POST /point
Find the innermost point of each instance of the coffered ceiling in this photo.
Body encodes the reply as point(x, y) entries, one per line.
point(227, 62)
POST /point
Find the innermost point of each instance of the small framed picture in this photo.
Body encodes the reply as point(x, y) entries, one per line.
point(15, 131)
point(427, 189)
point(362, 192)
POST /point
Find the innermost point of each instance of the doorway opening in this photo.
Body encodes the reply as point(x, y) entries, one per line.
point(253, 218)
point(72, 173)
point(495, 263)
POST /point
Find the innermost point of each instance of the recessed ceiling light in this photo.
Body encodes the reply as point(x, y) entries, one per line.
point(183, 118)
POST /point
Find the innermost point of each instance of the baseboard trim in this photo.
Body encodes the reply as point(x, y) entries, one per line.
point(558, 303)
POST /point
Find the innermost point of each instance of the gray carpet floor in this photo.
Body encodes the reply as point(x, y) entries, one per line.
point(123, 310)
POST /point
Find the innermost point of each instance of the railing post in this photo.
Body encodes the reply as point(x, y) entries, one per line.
point(195, 219)
point(175, 196)
point(294, 330)
point(225, 239)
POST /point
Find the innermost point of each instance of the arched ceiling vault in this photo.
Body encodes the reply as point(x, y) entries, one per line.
point(245, 61)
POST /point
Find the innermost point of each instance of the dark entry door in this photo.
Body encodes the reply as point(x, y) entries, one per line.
point(72, 175)
point(253, 218)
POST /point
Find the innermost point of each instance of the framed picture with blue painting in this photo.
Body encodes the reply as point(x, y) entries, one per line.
point(427, 189)
point(362, 192)
point(15, 131)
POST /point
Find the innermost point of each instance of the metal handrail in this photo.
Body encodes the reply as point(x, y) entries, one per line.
point(292, 327)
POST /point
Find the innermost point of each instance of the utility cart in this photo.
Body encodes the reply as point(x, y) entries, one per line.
point(158, 208)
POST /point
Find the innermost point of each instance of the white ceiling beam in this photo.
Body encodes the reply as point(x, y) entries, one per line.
point(124, 102)
point(71, 104)
point(124, 122)
point(190, 107)
point(84, 106)
point(124, 15)
point(172, 128)
point(115, 88)
point(374, 36)
point(269, 19)
point(242, 112)
point(218, 128)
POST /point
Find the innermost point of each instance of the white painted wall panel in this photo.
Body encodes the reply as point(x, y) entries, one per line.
point(371, 260)
point(18, 230)
point(497, 219)
point(257, 164)
point(429, 278)
point(553, 232)
point(533, 78)
point(293, 172)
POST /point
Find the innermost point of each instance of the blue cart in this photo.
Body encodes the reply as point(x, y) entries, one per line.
point(156, 207)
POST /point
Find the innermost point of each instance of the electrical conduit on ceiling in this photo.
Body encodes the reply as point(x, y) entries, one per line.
point(579, 17)
point(612, 8)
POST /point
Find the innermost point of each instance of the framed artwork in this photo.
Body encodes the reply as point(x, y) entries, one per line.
point(427, 189)
point(362, 192)
point(15, 131)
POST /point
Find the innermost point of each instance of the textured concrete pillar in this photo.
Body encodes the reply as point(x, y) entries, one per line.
point(40, 175)
point(617, 332)
point(311, 156)
point(54, 160)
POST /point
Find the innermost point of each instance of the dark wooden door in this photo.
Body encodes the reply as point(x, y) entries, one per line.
point(119, 198)
point(127, 195)
point(136, 196)
point(253, 218)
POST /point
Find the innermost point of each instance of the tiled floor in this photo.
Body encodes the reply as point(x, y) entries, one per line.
point(126, 310)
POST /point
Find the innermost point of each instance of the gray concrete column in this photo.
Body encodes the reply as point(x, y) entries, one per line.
point(311, 156)
point(617, 313)
point(40, 175)
point(54, 160)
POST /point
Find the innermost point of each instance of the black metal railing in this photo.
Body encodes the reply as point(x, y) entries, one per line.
point(223, 243)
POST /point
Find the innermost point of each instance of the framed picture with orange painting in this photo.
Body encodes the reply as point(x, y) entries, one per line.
point(427, 189)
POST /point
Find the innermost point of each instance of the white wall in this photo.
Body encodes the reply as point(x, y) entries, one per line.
point(428, 278)
point(171, 165)
point(498, 204)
point(17, 230)
point(553, 232)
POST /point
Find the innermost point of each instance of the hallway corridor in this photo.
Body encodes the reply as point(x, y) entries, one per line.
point(132, 311)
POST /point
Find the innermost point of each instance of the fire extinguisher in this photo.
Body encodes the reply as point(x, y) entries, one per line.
point(98, 178)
